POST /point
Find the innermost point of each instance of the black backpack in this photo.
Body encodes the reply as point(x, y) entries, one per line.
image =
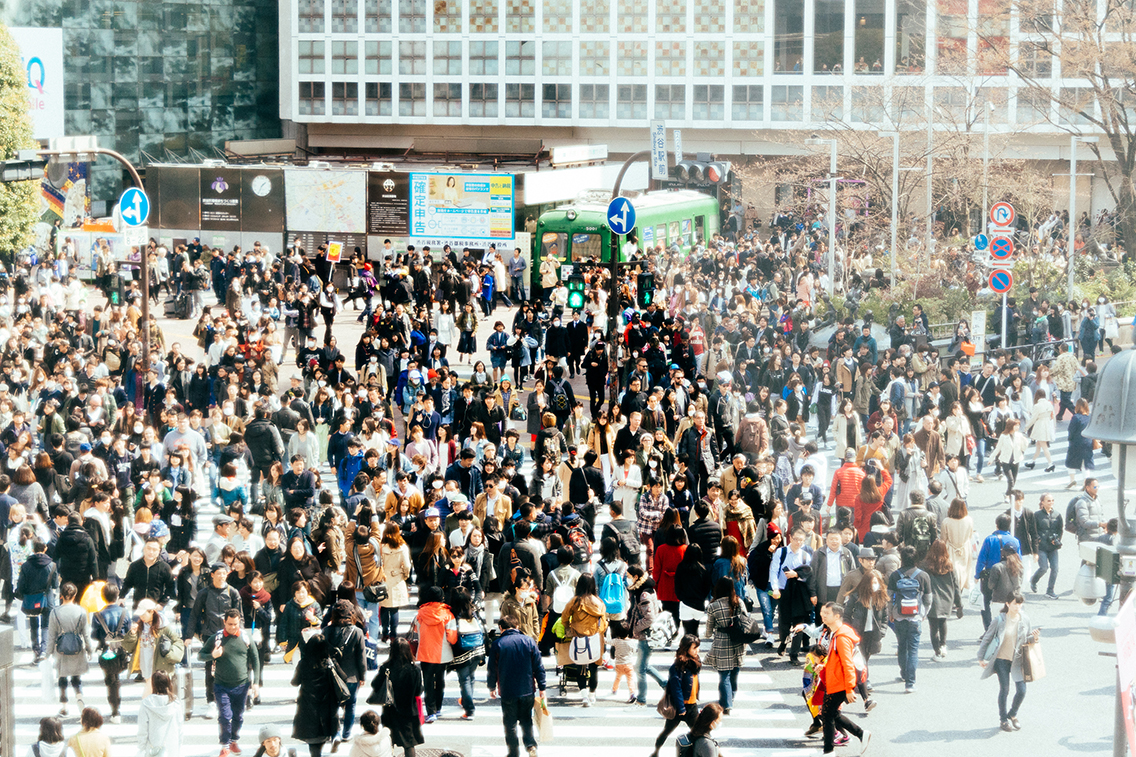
point(1071, 515)
point(560, 398)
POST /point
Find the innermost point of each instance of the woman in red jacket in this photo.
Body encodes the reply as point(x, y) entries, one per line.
point(667, 558)
point(437, 631)
point(873, 489)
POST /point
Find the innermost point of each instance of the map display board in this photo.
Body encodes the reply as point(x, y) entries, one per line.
point(462, 205)
point(329, 201)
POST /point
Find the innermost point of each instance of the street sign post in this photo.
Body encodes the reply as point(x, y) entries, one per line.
point(678, 146)
point(1002, 214)
point(1002, 249)
point(134, 207)
point(1002, 281)
point(659, 150)
point(620, 216)
point(981, 241)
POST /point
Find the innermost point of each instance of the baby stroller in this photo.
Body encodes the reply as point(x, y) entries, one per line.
point(573, 656)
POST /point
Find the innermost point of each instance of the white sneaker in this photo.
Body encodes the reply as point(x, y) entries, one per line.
point(211, 712)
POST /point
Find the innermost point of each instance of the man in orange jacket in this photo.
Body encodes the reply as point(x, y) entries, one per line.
point(840, 677)
point(845, 489)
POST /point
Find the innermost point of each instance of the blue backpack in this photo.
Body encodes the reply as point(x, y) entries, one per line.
point(613, 593)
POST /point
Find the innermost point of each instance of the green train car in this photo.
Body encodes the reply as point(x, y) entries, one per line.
point(578, 231)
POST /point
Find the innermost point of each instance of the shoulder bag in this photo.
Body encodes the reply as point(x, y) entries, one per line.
point(378, 592)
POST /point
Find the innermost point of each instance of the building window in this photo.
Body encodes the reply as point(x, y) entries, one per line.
point(1076, 105)
point(447, 16)
point(631, 59)
point(670, 16)
point(448, 100)
point(412, 99)
point(556, 101)
point(482, 100)
point(869, 37)
point(632, 16)
point(520, 100)
point(378, 98)
point(709, 17)
point(344, 57)
point(412, 17)
point(344, 16)
point(828, 39)
point(788, 36)
point(556, 59)
point(997, 96)
point(312, 98)
point(910, 36)
point(377, 16)
point(748, 103)
point(558, 15)
point(448, 58)
point(631, 101)
point(1033, 106)
point(951, 27)
point(951, 99)
point(670, 59)
point(785, 103)
point(828, 103)
point(868, 105)
point(908, 104)
point(595, 59)
point(710, 59)
point(749, 59)
point(595, 16)
point(483, 58)
point(311, 57)
point(594, 100)
point(520, 16)
point(1034, 60)
point(670, 101)
point(412, 58)
point(344, 98)
point(311, 16)
point(378, 57)
point(709, 102)
point(520, 58)
point(483, 16)
point(749, 16)
point(993, 38)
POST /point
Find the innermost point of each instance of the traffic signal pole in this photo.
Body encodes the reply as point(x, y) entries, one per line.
point(144, 262)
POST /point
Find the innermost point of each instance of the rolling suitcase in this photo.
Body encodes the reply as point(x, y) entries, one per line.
point(185, 685)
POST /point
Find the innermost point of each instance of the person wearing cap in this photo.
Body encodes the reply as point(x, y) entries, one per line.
point(845, 489)
point(153, 645)
point(867, 563)
point(219, 539)
point(271, 742)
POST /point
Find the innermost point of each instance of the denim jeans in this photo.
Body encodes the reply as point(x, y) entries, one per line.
point(907, 634)
point(646, 670)
point(349, 709)
point(373, 620)
point(1002, 670)
point(465, 683)
point(519, 710)
point(767, 603)
point(727, 687)
point(1106, 601)
point(389, 618)
point(230, 710)
point(1046, 560)
point(979, 455)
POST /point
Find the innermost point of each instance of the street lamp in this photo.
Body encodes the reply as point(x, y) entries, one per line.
point(831, 207)
point(1114, 421)
point(986, 170)
point(1072, 230)
point(894, 198)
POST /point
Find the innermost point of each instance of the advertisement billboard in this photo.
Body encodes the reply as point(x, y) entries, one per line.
point(388, 203)
point(176, 192)
point(323, 200)
point(469, 206)
point(221, 199)
point(41, 54)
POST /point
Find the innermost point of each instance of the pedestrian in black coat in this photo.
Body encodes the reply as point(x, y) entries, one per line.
point(76, 555)
point(400, 715)
point(317, 706)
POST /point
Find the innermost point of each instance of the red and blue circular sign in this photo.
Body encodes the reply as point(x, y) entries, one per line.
point(1001, 281)
point(1001, 248)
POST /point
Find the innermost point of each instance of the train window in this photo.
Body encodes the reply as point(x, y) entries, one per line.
point(685, 232)
point(674, 235)
point(700, 229)
point(587, 246)
point(553, 244)
point(661, 235)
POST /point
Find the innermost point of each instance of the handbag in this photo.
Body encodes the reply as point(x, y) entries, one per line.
point(1033, 664)
point(271, 581)
point(32, 604)
point(412, 637)
point(584, 650)
point(518, 414)
point(971, 444)
point(378, 592)
point(666, 707)
point(542, 719)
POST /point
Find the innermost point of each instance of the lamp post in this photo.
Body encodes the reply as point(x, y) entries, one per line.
point(986, 171)
point(1071, 232)
point(831, 208)
point(894, 199)
point(1114, 421)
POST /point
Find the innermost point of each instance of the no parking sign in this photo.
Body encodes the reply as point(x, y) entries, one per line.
point(1001, 281)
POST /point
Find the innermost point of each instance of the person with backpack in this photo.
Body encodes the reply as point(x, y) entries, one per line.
point(910, 592)
point(611, 580)
point(698, 743)
point(210, 608)
point(50, 741)
point(680, 698)
point(108, 627)
point(561, 397)
point(469, 652)
point(151, 645)
point(560, 583)
point(645, 615)
point(515, 673)
point(1048, 525)
point(1084, 516)
point(840, 679)
point(578, 536)
point(623, 531)
point(36, 586)
point(989, 555)
point(67, 640)
point(917, 526)
point(584, 623)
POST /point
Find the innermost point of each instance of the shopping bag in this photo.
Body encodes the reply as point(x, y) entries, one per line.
point(1033, 664)
point(542, 719)
point(976, 594)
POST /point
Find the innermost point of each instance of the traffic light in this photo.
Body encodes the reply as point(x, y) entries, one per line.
point(704, 170)
point(645, 289)
point(576, 292)
point(27, 166)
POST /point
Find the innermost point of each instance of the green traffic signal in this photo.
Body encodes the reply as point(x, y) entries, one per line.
point(645, 289)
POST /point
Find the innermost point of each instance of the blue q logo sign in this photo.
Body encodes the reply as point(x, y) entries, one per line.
point(37, 74)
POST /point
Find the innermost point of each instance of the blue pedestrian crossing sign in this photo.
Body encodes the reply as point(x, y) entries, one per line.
point(980, 242)
point(134, 207)
point(620, 216)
